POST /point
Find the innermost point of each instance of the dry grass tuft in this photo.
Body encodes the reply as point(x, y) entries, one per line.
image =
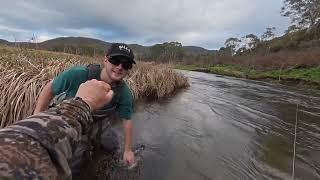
point(25, 72)
point(155, 81)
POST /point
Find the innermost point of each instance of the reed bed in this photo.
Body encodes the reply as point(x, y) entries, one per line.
point(154, 81)
point(25, 72)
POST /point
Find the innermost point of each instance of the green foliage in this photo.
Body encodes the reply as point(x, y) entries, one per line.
point(268, 34)
point(291, 41)
point(225, 51)
point(186, 67)
point(253, 41)
point(294, 39)
point(276, 46)
point(306, 74)
point(303, 13)
point(167, 51)
point(232, 44)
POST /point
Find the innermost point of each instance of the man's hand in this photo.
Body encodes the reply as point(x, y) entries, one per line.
point(128, 157)
point(95, 93)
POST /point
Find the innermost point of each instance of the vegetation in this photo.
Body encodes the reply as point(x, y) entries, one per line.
point(303, 13)
point(25, 72)
point(294, 57)
point(310, 76)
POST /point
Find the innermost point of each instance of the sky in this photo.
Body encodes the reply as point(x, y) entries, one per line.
point(204, 23)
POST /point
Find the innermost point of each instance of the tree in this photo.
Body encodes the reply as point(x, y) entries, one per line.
point(241, 50)
point(253, 41)
point(223, 51)
point(232, 44)
point(268, 34)
point(303, 13)
point(292, 28)
point(167, 51)
point(250, 42)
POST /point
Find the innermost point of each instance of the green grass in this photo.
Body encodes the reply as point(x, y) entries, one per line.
point(301, 74)
point(186, 67)
point(309, 75)
point(216, 69)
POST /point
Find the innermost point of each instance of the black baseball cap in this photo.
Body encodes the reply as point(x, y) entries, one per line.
point(121, 49)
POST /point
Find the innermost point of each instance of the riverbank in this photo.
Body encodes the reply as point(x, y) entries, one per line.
point(309, 77)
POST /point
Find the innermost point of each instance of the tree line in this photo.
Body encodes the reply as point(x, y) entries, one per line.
point(305, 26)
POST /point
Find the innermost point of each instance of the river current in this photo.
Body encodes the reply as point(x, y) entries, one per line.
point(228, 128)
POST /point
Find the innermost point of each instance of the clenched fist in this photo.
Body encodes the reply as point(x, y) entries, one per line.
point(95, 93)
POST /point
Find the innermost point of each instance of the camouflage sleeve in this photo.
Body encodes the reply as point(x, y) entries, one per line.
point(40, 146)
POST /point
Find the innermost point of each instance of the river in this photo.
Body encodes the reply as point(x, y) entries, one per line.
point(228, 128)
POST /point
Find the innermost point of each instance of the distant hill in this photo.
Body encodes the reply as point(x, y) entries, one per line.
point(2, 41)
point(197, 50)
point(73, 44)
point(75, 41)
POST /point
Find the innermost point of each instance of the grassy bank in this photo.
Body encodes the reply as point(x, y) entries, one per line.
point(307, 76)
point(25, 72)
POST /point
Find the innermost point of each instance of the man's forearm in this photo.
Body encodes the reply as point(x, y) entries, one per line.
point(57, 130)
point(44, 98)
point(41, 146)
point(127, 127)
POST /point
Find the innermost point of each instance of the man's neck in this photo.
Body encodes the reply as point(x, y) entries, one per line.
point(104, 77)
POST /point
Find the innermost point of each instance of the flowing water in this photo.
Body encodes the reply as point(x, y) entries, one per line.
point(229, 128)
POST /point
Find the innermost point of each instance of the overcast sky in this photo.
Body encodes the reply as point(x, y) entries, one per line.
point(205, 23)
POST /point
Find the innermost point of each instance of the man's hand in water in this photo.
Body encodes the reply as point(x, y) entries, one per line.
point(128, 158)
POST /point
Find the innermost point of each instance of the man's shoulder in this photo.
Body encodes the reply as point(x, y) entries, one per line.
point(75, 73)
point(69, 79)
point(124, 84)
point(78, 70)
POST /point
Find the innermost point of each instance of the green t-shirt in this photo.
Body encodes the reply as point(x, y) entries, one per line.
point(70, 80)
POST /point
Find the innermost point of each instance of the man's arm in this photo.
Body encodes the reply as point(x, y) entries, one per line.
point(41, 145)
point(128, 155)
point(69, 78)
point(125, 110)
point(44, 98)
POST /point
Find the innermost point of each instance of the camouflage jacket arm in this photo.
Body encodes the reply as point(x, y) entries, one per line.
point(41, 145)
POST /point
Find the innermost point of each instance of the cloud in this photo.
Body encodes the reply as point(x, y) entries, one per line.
point(193, 22)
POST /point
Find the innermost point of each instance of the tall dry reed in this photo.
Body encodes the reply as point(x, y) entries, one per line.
point(155, 81)
point(25, 72)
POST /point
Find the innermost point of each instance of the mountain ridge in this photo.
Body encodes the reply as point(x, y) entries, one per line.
point(60, 43)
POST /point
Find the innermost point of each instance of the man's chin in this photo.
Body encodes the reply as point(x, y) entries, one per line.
point(116, 78)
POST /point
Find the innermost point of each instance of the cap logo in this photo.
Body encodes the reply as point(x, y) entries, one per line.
point(122, 47)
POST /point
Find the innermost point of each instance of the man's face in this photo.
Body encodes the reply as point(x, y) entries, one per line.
point(116, 71)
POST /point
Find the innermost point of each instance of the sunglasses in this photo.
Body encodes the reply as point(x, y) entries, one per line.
point(120, 60)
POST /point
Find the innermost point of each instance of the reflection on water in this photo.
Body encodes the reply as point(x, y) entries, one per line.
point(226, 128)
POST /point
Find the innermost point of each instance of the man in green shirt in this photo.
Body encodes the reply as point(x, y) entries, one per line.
point(117, 63)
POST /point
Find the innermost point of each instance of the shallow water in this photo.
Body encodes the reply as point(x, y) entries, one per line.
point(228, 128)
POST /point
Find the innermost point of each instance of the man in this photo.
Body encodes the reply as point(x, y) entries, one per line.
point(118, 61)
point(41, 146)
